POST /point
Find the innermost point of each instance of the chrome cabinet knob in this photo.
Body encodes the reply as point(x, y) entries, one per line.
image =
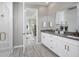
point(65, 47)
point(68, 48)
point(23, 33)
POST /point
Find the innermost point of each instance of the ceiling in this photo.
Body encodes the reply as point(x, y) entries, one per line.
point(36, 4)
point(51, 7)
point(44, 4)
point(61, 6)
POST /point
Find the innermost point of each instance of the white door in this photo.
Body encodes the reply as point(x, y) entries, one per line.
point(43, 38)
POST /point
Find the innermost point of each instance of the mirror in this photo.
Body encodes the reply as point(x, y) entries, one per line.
point(71, 19)
point(30, 18)
point(68, 18)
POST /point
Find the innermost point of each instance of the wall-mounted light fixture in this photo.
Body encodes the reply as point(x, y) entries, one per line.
point(2, 36)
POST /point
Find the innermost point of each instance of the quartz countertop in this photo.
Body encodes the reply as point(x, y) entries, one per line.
point(61, 35)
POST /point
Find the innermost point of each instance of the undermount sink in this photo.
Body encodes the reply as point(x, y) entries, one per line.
point(72, 36)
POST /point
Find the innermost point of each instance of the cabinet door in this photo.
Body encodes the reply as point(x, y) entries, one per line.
point(48, 40)
point(73, 51)
point(43, 38)
point(53, 44)
point(61, 47)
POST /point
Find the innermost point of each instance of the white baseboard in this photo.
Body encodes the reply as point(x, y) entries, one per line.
point(8, 48)
point(6, 52)
point(22, 45)
point(18, 46)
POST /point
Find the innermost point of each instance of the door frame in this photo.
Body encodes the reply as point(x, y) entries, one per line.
point(37, 28)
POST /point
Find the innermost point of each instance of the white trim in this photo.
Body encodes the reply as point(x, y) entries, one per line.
point(23, 28)
point(5, 48)
point(18, 46)
point(37, 27)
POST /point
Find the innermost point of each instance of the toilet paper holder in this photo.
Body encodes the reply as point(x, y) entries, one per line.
point(2, 36)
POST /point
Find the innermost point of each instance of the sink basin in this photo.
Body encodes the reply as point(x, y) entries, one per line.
point(72, 36)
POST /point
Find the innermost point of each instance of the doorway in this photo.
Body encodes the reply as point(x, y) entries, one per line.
point(30, 26)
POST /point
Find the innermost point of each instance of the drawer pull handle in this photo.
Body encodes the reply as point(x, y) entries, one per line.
point(51, 47)
point(65, 47)
point(51, 40)
point(68, 48)
point(27, 38)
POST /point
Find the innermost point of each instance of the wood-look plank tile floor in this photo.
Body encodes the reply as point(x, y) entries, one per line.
point(33, 51)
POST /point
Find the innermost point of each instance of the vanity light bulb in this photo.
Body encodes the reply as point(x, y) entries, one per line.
point(50, 24)
point(44, 24)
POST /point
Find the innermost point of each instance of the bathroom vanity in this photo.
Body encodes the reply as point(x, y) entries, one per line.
point(62, 45)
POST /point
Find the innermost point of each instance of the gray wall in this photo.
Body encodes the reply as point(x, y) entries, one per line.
point(6, 25)
point(18, 23)
point(78, 17)
point(47, 19)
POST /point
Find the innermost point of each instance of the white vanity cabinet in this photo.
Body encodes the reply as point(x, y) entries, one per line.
point(71, 47)
point(63, 47)
point(66, 49)
point(47, 40)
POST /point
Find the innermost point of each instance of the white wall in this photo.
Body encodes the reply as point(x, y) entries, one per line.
point(18, 23)
point(6, 25)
